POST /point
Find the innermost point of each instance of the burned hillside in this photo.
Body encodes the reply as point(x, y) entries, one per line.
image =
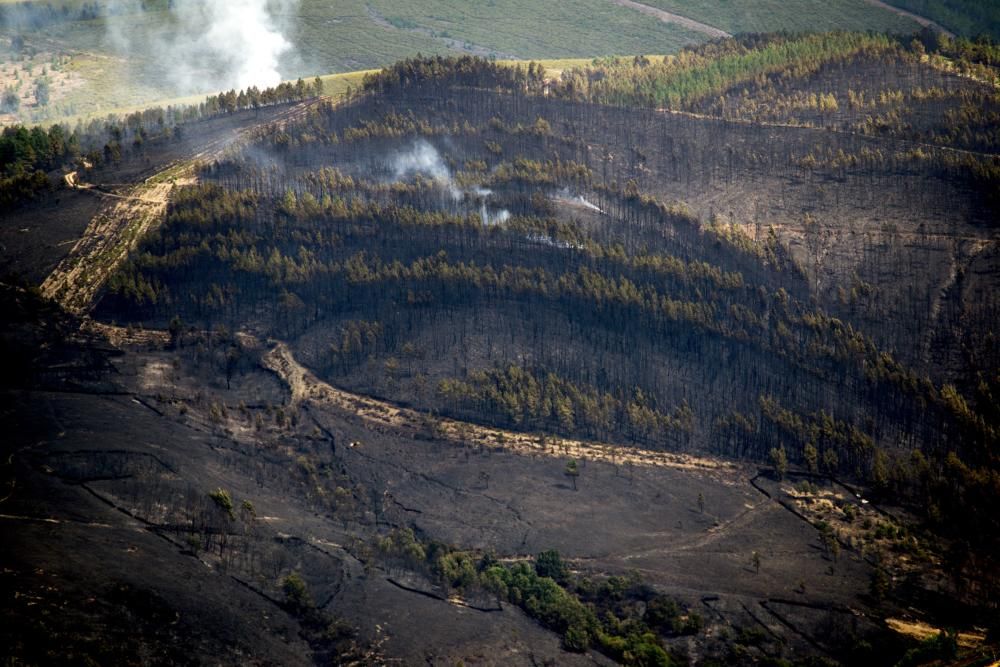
point(457, 240)
point(682, 360)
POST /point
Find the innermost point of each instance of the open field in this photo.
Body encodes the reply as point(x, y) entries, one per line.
point(738, 16)
point(527, 29)
point(968, 18)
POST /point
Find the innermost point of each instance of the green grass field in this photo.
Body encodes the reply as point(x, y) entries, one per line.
point(967, 18)
point(737, 16)
point(532, 29)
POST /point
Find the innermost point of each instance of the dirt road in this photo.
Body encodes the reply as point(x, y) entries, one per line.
point(927, 23)
point(668, 17)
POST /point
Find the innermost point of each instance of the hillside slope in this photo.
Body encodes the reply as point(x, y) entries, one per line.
point(95, 58)
point(467, 239)
point(669, 360)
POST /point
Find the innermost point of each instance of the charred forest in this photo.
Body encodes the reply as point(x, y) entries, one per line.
point(478, 242)
point(680, 360)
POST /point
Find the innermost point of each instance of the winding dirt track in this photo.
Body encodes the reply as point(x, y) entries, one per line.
point(307, 388)
point(711, 31)
point(669, 17)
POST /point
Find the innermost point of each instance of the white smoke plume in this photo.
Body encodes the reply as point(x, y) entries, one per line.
point(490, 219)
point(209, 45)
point(422, 159)
point(545, 239)
point(567, 197)
point(425, 160)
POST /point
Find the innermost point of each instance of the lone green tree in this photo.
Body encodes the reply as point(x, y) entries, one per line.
point(572, 471)
point(828, 539)
point(830, 461)
point(224, 502)
point(233, 357)
point(550, 564)
point(10, 102)
point(811, 455)
point(42, 92)
point(296, 594)
point(780, 462)
point(879, 584)
point(755, 561)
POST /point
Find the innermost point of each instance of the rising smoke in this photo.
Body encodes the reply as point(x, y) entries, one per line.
point(568, 197)
point(423, 159)
point(210, 45)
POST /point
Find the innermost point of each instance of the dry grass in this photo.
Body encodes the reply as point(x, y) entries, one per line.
point(923, 631)
point(23, 74)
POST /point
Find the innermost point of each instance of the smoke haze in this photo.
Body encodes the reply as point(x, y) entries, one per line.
point(211, 45)
point(425, 160)
point(422, 158)
point(568, 197)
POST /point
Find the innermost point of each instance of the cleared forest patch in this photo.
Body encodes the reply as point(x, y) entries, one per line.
point(107, 241)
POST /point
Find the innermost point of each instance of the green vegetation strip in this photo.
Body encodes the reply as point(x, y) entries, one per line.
point(618, 616)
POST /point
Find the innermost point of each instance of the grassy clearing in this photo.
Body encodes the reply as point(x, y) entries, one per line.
point(336, 85)
point(554, 67)
point(737, 16)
